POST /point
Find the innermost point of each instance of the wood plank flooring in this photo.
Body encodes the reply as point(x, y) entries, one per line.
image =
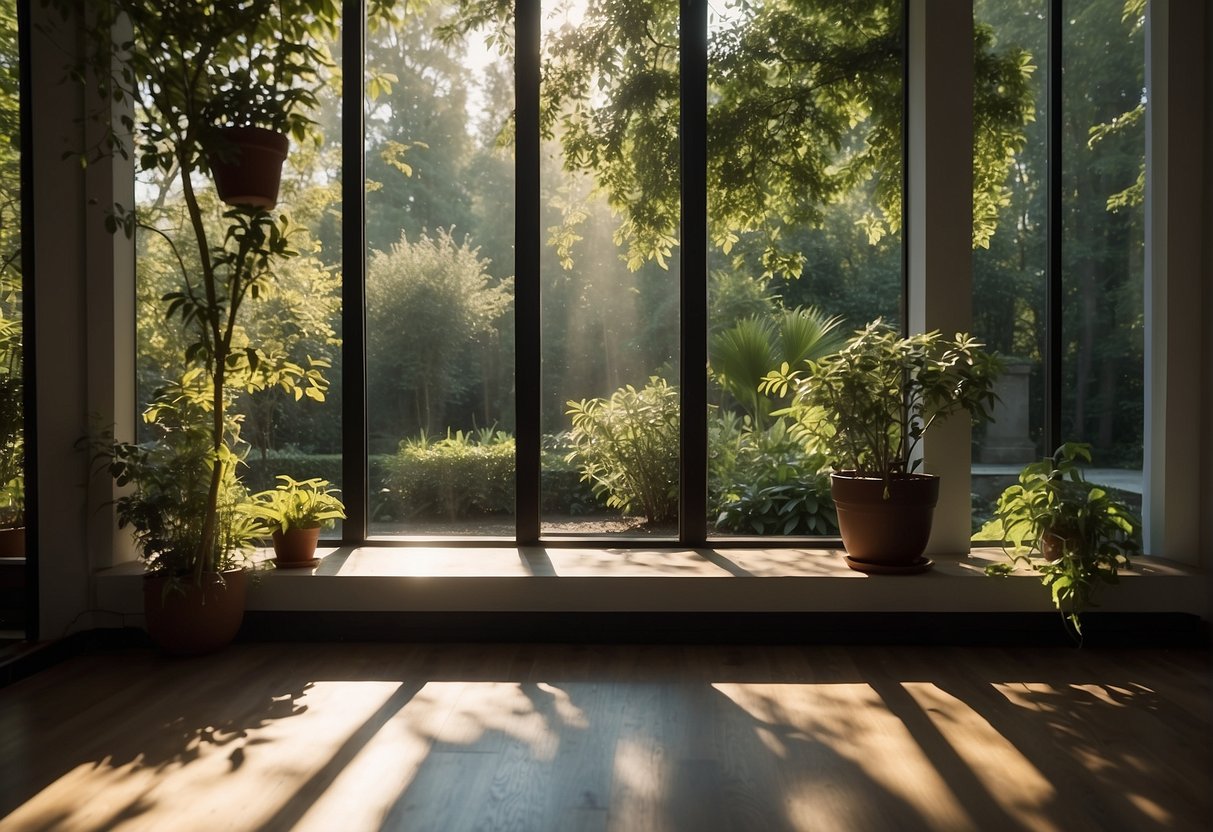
point(533, 737)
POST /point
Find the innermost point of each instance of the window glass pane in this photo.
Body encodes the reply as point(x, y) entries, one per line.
point(12, 426)
point(286, 409)
point(439, 284)
point(609, 185)
point(804, 188)
point(1010, 254)
point(1103, 251)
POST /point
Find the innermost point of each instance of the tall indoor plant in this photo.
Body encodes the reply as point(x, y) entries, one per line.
point(867, 407)
point(183, 73)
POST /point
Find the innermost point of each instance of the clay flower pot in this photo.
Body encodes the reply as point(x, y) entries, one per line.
point(12, 542)
point(247, 165)
point(193, 619)
point(885, 536)
point(296, 548)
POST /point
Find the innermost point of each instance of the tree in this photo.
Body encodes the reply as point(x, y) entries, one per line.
point(428, 301)
point(418, 142)
point(806, 105)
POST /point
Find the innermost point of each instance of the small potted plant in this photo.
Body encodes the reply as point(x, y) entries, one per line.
point(294, 512)
point(1074, 533)
point(867, 407)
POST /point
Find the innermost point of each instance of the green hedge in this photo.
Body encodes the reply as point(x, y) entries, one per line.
point(452, 478)
point(258, 476)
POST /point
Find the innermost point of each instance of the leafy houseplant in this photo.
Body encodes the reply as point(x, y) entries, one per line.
point(867, 407)
point(294, 513)
point(1072, 532)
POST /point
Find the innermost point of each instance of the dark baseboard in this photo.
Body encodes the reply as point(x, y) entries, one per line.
point(1100, 630)
point(22, 659)
point(961, 629)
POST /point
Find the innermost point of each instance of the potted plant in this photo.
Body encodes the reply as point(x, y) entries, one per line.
point(193, 597)
point(258, 106)
point(295, 512)
point(867, 407)
point(177, 72)
point(1074, 533)
point(215, 86)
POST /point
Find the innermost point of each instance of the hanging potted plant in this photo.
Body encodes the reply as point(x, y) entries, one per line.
point(218, 87)
point(1073, 533)
point(867, 407)
point(258, 106)
point(294, 513)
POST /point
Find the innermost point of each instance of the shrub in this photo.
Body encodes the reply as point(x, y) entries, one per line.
point(259, 475)
point(563, 490)
point(458, 476)
point(627, 448)
point(765, 482)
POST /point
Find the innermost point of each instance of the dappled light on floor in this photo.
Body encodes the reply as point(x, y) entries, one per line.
point(386, 737)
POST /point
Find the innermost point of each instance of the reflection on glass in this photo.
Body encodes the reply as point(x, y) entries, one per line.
point(1009, 258)
point(12, 424)
point(804, 187)
point(609, 183)
point(439, 283)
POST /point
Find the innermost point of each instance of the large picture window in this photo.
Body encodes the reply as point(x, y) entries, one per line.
point(548, 251)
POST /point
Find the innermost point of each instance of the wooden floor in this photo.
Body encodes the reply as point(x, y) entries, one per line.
point(370, 737)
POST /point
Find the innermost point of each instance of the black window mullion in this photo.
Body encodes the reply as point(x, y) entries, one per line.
point(354, 483)
point(693, 300)
point(527, 231)
point(906, 217)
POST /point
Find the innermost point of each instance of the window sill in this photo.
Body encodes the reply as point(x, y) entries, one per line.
point(552, 579)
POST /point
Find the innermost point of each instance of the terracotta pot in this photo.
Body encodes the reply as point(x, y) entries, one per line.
point(887, 534)
point(296, 548)
point(190, 619)
point(12, 543)
point(250, 169)
point(1053, 544)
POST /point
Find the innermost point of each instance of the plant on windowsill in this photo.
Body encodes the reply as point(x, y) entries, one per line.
point(293, 513)
point(174, 75)
point(1072, 532)
point(867, 407)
